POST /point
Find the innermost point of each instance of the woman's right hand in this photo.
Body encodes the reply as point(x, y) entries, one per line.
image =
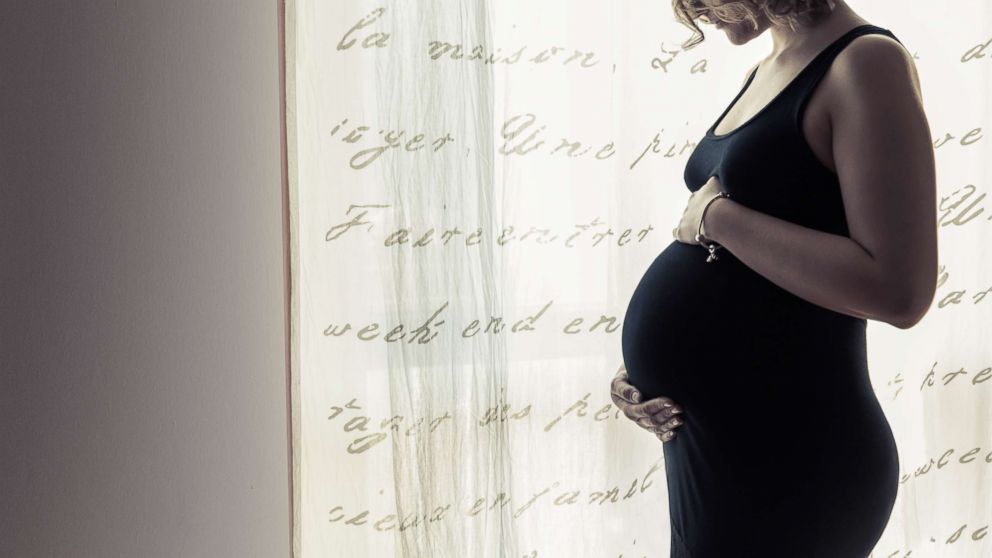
point(659, 415)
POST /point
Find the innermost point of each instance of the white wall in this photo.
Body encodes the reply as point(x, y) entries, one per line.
point(143, 401)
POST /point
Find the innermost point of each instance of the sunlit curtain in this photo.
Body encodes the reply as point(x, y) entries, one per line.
point(477, 187)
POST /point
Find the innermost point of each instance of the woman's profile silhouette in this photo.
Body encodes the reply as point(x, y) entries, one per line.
point(817, 184)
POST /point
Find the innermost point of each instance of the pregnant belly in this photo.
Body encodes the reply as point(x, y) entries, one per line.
point(720, 330)
point(673, 318)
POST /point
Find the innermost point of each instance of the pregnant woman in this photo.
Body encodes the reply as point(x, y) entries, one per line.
point(812, 209)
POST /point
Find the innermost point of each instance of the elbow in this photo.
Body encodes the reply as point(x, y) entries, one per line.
point(909, 309)
point(905, 319)
point(905, 291)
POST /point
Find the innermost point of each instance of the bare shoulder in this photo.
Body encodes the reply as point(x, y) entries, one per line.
point(876, 65)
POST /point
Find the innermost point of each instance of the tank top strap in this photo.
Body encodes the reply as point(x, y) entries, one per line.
point(811, 77)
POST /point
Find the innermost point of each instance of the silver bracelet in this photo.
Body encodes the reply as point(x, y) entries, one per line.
point(712, 247)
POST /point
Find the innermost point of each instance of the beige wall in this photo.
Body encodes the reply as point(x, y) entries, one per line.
point(143, 402)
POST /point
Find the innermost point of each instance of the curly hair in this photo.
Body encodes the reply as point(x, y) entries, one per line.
point(793, 13)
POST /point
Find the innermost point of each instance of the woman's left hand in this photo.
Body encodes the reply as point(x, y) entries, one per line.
point(689, 224)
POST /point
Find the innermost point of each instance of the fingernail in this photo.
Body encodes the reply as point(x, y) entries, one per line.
point(666, 405)
point(636, 398)
point(676, 409)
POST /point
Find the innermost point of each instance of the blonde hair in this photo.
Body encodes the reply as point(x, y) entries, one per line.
point(794, 13)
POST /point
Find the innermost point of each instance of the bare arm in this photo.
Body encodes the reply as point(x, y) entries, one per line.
point(887, 269)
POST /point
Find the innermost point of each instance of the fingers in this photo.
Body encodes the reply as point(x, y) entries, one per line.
point(655, 406)
point(659, 415)
point(620, 387)
point(661, 423)
point(667, 413)
point(660, 408)
point(659, 426)
point(666, 436)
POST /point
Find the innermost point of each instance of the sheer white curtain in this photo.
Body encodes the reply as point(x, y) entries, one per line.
point(476, 189)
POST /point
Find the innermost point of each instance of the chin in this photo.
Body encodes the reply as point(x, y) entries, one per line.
point(737, 34)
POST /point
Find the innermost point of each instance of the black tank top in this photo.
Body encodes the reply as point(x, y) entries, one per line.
point(766, 162)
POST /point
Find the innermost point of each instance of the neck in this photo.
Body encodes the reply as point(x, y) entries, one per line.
point(786, 41)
